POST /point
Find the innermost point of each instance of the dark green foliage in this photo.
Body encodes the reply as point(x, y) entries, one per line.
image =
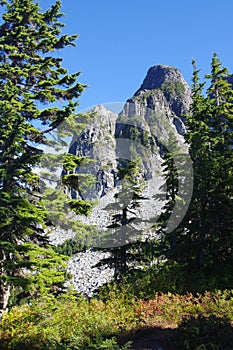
point(204, 240)
point(69, 247)
point(123, 233)
point(171, 185)
point(173, 87)
point(205, 333)
point(31, 80)
point(85, 234)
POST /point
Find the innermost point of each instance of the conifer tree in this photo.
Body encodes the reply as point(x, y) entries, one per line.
point(171, 184)
point(32, 79)
point(204, 239)
point(220, 99)
point(126, 226)
point(197, 136)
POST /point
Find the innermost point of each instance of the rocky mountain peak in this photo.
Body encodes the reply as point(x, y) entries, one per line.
point(167, 83)
point(160, 74)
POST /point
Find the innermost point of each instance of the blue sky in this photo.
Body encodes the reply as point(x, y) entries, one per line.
point(120, 40)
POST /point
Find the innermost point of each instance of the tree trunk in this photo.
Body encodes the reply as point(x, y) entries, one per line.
point(4, 297)
point(4, 286)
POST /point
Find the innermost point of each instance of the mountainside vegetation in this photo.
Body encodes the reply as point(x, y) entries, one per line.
point(176, 286)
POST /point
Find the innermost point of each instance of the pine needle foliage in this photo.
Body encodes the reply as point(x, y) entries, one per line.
point(32, 81)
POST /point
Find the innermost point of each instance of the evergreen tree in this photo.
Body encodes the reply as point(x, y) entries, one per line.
point(31, 79)
point(191, 233)
point(64, 199)
point(204, 239)
point(171, 187)
point(126, 226)
point(220, 99)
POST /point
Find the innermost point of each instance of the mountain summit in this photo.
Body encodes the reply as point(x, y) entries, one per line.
point(160, 74)
point(170, 81)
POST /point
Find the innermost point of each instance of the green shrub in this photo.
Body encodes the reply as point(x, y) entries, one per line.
point(65, 323)
point(71, 323)
point(205, 333)
point(173, 87)
point(69, 247)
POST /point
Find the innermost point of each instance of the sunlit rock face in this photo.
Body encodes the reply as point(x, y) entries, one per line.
point(98, 143)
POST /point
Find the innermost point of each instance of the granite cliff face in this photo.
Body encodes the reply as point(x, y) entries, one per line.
point(98, 143)
point(158, 107)
point(170, 81)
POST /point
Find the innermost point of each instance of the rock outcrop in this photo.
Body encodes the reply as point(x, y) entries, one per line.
point(170, 81)
point(98, 143)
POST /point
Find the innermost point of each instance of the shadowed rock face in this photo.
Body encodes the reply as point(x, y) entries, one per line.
point(230, 80)
point(158, 107)
point(170, 81)
point(159, 74)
